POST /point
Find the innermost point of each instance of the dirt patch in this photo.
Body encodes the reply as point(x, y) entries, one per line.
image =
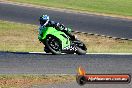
point(20, 81)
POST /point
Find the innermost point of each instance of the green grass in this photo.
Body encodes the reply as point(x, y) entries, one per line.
point(21, 37)
point(118, 7)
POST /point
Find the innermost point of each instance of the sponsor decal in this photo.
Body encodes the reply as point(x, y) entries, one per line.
point(71, 48)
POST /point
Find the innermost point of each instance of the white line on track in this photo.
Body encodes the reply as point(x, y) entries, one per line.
point(111, 53)
point(89, 53)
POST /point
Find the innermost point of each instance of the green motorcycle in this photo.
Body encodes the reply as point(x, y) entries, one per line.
point(57, 42)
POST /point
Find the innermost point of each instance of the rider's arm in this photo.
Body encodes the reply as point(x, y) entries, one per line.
point(58, 26)
point(54, 24)
point(46, 23)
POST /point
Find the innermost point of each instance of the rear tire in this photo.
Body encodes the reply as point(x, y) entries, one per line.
point(81, 49)
point(53, 44)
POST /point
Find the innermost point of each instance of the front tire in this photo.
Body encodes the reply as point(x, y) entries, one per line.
point(53, 44)
point(46, 50)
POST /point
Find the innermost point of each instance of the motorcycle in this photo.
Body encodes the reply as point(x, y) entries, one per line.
point(57, 42)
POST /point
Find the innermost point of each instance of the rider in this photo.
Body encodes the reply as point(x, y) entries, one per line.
point(45, 22)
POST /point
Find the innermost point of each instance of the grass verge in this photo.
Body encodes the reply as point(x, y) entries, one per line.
point(98, 44)
point(23, 38)
point(27, 81)
point(19, 37)
point(118, 7)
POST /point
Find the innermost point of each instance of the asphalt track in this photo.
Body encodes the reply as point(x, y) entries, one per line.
point(108, 26)
point(75, 85)
point(35, 63)
point(15, 62)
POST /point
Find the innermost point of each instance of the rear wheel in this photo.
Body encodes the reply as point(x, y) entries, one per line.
point(53, 44)
point(81, 49)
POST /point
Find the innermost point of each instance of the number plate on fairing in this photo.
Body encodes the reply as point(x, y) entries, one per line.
point(69, 48)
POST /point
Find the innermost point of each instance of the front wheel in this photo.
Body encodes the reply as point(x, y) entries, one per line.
point(53, 44)
point(46, 50)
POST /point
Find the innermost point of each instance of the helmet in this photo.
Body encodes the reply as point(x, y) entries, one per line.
point(43, 19)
